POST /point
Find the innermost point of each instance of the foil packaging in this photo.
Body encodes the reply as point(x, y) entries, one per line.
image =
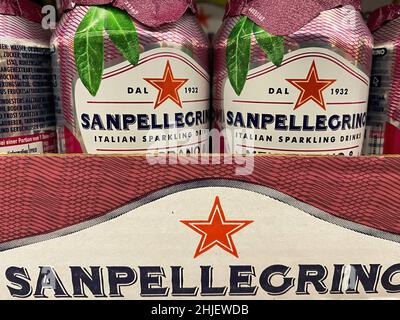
point(132, 77)
point(27, 119)
point(383, 126)
point(292, 77)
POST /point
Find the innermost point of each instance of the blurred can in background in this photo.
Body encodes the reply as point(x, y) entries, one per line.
point(210, 14)
point(132, 78)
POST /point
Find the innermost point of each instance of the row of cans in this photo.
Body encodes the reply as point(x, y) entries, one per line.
point(129, 77)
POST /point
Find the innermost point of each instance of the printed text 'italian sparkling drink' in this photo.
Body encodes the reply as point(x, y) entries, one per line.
point(27, 120)
point(132, 77)
point(383, 125)
point(292, 77)
point(210, 14)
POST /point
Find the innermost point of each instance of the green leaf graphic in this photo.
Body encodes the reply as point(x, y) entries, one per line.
point(273, 46)
point(122, 31)
point(238, 53)
point(89, 49)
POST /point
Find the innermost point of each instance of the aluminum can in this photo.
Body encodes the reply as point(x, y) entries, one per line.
point(27, 118)
point(132, 78)
point(292, 77)
point(383, 124)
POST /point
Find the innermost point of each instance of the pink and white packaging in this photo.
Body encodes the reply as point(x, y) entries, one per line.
point(27, 120)
point(302, 81)
point(383, 130)
point(157, 101)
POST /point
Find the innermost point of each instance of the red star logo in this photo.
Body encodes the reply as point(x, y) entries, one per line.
point(311, 88)
point(216, 231)
point(167, 87)
point(202, 17)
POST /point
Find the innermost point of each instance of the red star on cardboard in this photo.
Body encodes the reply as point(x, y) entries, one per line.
point(216, 231)
point(168, 87)
point(311, 88)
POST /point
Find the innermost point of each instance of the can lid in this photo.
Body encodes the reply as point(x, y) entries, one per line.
point(383, 15)
point(284, 17)
point(152, 13)
point(21, 8)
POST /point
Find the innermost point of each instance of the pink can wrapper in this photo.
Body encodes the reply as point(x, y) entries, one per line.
point(27, 117)
point(151, 13)
point(383, 126)
point(132, 78)
point(284, 17)
point(292, 77)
